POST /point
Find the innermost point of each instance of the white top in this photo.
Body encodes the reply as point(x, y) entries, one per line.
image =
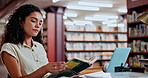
point(29, 58)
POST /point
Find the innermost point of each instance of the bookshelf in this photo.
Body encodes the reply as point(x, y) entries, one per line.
point(88, 41)
point(137, 34)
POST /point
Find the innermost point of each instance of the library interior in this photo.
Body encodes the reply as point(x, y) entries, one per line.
point(111, 34)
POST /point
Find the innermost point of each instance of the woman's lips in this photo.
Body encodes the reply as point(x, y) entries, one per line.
point(35, 30)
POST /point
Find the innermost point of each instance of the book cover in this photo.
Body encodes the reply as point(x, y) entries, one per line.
point(74, 67)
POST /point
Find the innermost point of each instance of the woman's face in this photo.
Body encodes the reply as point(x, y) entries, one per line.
point(33, 24)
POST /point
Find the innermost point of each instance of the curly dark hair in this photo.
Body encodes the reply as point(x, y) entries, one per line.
point(14, 33)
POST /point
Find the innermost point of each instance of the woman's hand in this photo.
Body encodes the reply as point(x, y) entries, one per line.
point(54, 67)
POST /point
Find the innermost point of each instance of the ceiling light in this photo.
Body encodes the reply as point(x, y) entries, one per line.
point(68, 23)
point(106, 22)
point(83, 22)
point(83, 8)
point(95, 4)
point(95, 19)
point(54, 1)
point(122, 10)
point(106, 16)
point(112, 25)
point(112, 21)
point(71, 14)
point(109, 21)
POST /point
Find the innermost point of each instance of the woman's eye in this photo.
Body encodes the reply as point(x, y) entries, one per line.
point(33, 21)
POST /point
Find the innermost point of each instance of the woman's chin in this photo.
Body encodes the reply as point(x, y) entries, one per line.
point(34, 35)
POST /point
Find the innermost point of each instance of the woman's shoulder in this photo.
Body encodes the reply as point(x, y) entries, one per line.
point(9, 44)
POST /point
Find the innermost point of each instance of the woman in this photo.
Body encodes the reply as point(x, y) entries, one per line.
point(21, 52)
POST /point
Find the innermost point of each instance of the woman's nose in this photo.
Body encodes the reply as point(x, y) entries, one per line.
point(37, 25)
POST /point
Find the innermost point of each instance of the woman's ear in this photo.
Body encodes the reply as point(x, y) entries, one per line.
point(21, 22)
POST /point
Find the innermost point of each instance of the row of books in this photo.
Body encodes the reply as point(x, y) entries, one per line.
point(106, 55)
point(134, 61)
point(133, 17)
point(144, 63)
point(138, 46)
point(87, 55)
point(93, 46)
point(96, 28)
point(138, 30)
point(96, 36)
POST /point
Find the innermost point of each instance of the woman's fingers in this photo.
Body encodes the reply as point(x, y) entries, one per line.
point(56, 66)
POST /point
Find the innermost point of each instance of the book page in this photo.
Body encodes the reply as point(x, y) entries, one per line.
point(92, 60)
point(71, 64)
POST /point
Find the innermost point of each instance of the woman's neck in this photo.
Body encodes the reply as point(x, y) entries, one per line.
point(28, 41)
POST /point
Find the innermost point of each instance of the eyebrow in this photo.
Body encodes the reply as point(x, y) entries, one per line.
point(36, 18)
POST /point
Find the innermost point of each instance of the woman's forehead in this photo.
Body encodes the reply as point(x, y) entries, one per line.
point(36, 15)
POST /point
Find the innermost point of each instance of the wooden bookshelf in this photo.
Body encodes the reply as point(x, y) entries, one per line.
point(137, 34)
point(95, 37)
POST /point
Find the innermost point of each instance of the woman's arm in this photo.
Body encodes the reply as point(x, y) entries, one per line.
point(14, 70)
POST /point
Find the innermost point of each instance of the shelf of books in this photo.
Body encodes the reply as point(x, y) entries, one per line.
point(44, 38)
point(94, 41)
point(137, 34)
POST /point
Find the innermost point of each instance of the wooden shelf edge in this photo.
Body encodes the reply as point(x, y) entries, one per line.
point(139, 52)
point(135, 22)
point(94, 41)
point(138, 37)
point(136, 67)
point(89, 50)
point(98, 32)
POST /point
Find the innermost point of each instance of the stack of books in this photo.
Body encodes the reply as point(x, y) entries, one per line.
point(144, 62)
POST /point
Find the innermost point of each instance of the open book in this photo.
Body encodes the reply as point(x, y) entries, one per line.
point(75, 66)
